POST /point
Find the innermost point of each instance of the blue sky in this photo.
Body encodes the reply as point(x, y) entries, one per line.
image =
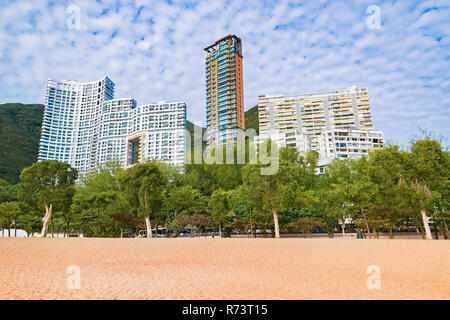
point(153, 50)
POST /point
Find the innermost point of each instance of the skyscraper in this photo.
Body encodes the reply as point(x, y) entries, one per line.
point(69, 127)
point(85, 126)
point(224, 90)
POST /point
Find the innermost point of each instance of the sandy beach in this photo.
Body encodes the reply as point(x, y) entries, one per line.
point(33, 268)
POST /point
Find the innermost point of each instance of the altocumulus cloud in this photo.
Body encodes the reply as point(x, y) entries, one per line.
point(153, 50)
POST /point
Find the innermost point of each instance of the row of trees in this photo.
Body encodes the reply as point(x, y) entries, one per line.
point(388, 190)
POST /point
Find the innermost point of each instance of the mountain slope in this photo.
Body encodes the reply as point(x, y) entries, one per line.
point(251, 119)
point(20, 130)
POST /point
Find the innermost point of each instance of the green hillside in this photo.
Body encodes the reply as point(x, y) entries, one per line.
point(190, 127)
point(20, 127)
point(251, 119)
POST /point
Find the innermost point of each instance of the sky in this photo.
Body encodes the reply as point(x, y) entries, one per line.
point(153, 51)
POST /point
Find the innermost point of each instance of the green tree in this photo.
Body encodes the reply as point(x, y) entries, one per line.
point(98, 202)
point(8, 192)
point(185, 200)
point(277, 192)
point(219, 208)
point(30, 222)
point(359, 191)
point(428, 173)
point(243, 206)
point(9, 211)
point(143, 185)
point(333, 204)
point(48, 184)
point(386, 169)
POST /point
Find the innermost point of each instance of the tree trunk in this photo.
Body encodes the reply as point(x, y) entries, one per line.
point(446, 236)
point(436, 233)
point(220, 231)
point(425, 222)
point(251, 222)
point(275, 220)
point(367, 224)
point(422, 233)
point(47, 217)
point(343, 229)
point(418, 231)
point(149, 227)
point(391, 235)
point(121, 233)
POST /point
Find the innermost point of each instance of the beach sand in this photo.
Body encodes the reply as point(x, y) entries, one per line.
point(34, 268)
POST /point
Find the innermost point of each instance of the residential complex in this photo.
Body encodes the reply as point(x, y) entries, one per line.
point(224, 90)
point(311, 114)
point(346, 144)
point(85, 126)
point(306, 122)
point(70, 120)
point(132, 134)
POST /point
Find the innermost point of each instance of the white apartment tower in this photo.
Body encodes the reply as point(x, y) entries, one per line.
point(85, 126)
point(349, 144)
point(133, 134)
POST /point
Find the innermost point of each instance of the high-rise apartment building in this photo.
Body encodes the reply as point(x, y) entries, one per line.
point(132, 134)
point(349, 144)
point(224, 90)
point(292, 120)
point(69, 127)
point(85, 126)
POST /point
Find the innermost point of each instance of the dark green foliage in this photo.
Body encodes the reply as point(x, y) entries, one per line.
point(251, 119)
point(8, 192)
point(20, 129)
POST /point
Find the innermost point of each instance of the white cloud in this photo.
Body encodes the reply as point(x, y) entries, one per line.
point(153, 50)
